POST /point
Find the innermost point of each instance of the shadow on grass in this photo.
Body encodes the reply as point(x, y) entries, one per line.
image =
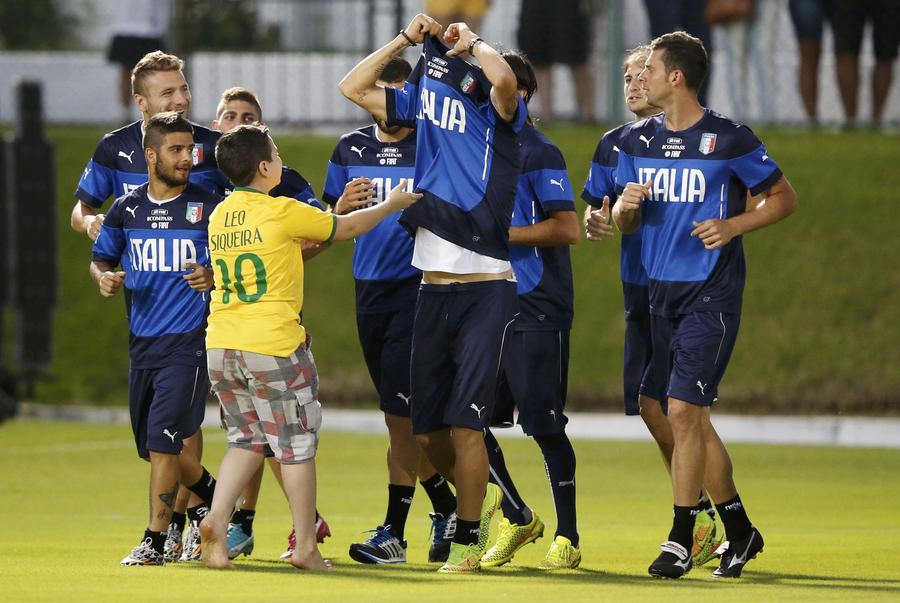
point(407, 573)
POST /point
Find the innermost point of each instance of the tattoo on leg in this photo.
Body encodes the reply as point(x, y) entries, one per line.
point(168, 499)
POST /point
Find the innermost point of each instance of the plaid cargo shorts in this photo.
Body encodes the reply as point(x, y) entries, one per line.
point(269, 400)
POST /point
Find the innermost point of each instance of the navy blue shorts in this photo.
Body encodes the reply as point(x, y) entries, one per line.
point(534, 379)
point(699, 346)
point(458, 337)
point(638, 344)
point(386, 340)
point(167, 405)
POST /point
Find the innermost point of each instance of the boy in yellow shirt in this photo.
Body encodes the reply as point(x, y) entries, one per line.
point(259, 362)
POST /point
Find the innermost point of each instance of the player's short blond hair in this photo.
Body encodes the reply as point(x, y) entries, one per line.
point(238, 93)
point(638, 54)
point(153, 61)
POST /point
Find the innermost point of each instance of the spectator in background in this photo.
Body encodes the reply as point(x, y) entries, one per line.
point(671, 15)
point(446, 12)
point(849, 19)
point(748, 30)
point(558, 32)
point(809, 18)
point(139, 28)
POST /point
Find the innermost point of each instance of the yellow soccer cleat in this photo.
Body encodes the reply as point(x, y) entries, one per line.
point(707, 539)
point(562, 555)
point(464, 558)
point(492, 498)
point(512, 537)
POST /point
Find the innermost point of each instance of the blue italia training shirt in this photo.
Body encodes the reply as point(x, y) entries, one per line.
point(153, 242)
point(697, 174)
point(467, 159)
point(386, 281)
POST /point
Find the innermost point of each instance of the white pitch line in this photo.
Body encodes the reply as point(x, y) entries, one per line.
point(865, 432)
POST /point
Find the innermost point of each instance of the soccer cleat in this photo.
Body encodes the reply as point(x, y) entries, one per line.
point(322, 529)
point(442, 532)
point(239, 542)
point(292, 545)
point(673, 562)
point(322, 532)
point(735, 555)
point(562, 555)
point(463, 558)
point(144, 554)
point(381, 547)
point(707, 539)
point(489, 506)
point(192, 547)
point(172, 549)
point(512, 537)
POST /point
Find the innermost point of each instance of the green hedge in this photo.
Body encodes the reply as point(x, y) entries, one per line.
point(818, 332)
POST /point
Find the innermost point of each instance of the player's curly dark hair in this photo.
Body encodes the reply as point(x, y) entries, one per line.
point(526, 79)
point(396, 70)
point(240, 151)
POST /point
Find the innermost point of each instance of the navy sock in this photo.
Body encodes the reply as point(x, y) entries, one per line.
point(157, 539)
point(443, 500)
point(467, 531)
point(734, 516)
point(205, 487)
point(683, 526)
point(178, 519)
point(399, 500)
point(245, 518)
point(559, 461)
point(514, 508)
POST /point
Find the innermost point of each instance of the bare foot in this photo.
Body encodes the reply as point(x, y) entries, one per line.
point(215, 553)
point(310, 560)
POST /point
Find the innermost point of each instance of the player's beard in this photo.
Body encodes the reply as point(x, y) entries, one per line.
point(171, 178)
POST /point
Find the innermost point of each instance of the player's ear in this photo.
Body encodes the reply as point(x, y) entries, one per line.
point(150, 156)
point(141, 103)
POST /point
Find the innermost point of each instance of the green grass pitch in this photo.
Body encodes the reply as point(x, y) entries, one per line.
point(74, 503)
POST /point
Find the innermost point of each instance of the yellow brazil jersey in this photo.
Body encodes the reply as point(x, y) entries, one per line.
point(254, 243)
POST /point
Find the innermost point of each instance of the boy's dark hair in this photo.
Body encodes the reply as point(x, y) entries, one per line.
point(164, 123)
point(397, 70)
point(685, 53)
point(240, 151)
point(525, 77)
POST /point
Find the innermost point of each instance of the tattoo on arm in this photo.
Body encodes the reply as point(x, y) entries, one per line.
point(168, 499)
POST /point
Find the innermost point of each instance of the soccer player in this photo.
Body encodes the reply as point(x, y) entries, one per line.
point(683, 178)
point(240, 106)
point(365, 165)
point(645, 400)
point(259, 360)
point(158, 234)
point(467, 119)
point(536, 359)
point(116, 168)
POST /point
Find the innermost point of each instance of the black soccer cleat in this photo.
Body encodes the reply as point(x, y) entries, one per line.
point(673, 562)
point(735, 555)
